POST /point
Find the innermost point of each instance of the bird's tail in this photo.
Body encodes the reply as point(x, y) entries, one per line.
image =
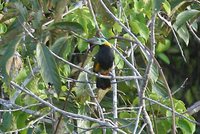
point(103, 83)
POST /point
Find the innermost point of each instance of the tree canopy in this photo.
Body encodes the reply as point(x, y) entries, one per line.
point(47, 51)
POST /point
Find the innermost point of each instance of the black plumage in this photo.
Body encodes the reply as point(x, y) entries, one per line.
point(103, 63)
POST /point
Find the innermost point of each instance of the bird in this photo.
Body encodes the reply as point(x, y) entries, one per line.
point(103, 62)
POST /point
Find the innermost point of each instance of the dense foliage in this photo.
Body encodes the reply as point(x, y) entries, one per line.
point(46, 56)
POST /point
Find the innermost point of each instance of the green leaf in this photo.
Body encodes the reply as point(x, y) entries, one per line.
point(59, 45)
point(144, 31)
point(1, 5)
point(23, 11)
point(186, 126)
point(154, 73)
point(135, 27)
point(6, 123)
point(159, 88)
point(83, 110)
point(183, 33)
point(102, 16)
point(49, 70)
point(10, 48)
point(185, 16)
point(3, 28)
point(164, 58)
point(157, 4)
point(82, 88)
point(21, 122)
point(82, 45)
point(163, 126)
point(119, 62)
point(162, 47)
point(167, 7)
point(69, 26)
point(124, 115)
point(140, 28)
point(179, 106)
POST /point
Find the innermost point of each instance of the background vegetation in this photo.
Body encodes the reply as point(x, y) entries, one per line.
point(46, 79)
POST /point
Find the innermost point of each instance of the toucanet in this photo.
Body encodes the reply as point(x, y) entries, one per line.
point(103, 62)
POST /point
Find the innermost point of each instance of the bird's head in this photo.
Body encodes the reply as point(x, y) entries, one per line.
point(99, 41)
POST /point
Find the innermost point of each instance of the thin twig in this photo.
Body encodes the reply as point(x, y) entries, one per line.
point(142, 128)
point(192, 31)
point(181, 87)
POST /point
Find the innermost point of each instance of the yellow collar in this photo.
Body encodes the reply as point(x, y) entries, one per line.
point(108, 44)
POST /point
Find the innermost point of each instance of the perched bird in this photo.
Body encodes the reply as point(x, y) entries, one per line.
point(103, 62)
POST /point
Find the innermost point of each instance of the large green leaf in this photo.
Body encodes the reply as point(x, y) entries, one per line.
point(69, 26)
point(8, 52)
point(186, 126)
point(185, 16)
point(49, 70)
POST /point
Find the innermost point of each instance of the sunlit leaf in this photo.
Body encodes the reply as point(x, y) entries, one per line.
point(82, 45)
point(135, 27)
point(164, 58)
point(167, 7)
point(49, 70)
point(3, 28)
point(162, 47)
